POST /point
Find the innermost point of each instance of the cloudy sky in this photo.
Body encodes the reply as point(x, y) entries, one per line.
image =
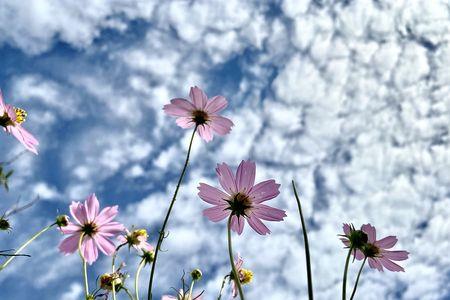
point(349, 98)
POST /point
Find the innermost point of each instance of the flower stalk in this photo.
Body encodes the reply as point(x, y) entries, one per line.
point(162, 234)
point(9, 260)
point(305, 239)
point(136, 279)
point(233, 267)
point(86, 284)
point(344, 280)
point(357, 278)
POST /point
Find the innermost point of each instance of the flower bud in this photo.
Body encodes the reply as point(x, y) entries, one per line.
point(196, 274)
point(62, 220)
point(148, 256)
point(107, 280)
point(4, 224)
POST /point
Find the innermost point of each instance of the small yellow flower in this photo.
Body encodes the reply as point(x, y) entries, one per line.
point(246, 276)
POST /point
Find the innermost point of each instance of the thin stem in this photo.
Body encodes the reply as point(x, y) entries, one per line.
point(136, 279)
point(221, 288)
point(357, 278)
point(86, 284)
point(305, 238)
point(113, 269)
point(128, 293)
point(166, 219)
point(191, 288)
point(233, 267)
point(8, 261)
point(344, 280)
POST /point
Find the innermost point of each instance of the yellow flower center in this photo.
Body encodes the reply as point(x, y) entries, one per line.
point(21, 115)
point(246, 276)
point(133, 237)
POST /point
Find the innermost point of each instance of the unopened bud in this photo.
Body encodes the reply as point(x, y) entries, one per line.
point(196, 274)
point(62, 220)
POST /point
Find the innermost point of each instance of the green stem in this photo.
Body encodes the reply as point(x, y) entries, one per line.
point(305, 238)
point(128, 293)
point(86, 284)
point(357, 278)
point(233, 267)
point(136, 279)
point(344, 280)
point(113, 269)
point(8, 261)
point(221, 288)
point(191, 288)
point(166, 219)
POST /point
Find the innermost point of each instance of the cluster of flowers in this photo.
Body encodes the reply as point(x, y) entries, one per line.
point(240, 200)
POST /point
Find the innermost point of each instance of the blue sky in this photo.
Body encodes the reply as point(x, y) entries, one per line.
point(350, 98)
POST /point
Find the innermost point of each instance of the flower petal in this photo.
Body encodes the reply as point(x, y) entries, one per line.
point(198, 97)
point(216, 213)
point(216, 104)
point(237, 224)
point(89, 250)
point(220, 125)
point(396, 255)
point(226, 178)
point(387, 242)
point(268, 213)
point(375, 264)
point(211, 194)
point(78, 212)
point(245, 176)
point(106, 215)
point(346, 228)
point(70, 244)
point(104, 244)
point(370, 231)
point(185, 122)
point(205, 132)
point(91, 205)
point(70, 228)
point(390, 265)
point(257, 225)
point(111, 228)
point(179, 108)
point(264, 191)
point(23, 136)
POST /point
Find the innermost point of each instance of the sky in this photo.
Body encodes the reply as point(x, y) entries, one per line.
point(349, 98)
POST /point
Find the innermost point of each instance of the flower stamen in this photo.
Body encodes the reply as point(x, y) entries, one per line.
point(240, 204)
point(21, 115)
point(199, 117)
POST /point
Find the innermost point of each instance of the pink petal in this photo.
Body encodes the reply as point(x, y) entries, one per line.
point(245, 176)
point(220, 125)
point(216, 213)
point(78, 212)
point(70, 228)
point(198, 97)
point(217, 103)
point(237, 224)
point(226, 178)
point(185, 122)
point(91, 205)
point(268, 213)
point(111, 228)
point(390, 265)
point(396, 255)
point(264, 191)
point(89, 250)
point(2, 104)
point(346, 228)
point(106, 215)
point(359, 255)
point(179, 108)
point(205, 132)
point(375, 264)
point(238, 262)
point(257, 225)
point(387, 242)
point(211, 194)
point(70, 244)
point(345, 241)
point(104, 244)
point(24, 137)
point(146, 246)
point(370, 231)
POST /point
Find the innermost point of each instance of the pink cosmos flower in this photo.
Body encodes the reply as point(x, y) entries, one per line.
point(136, 239)
point(11, 119)
point(181, 296)
point(200, 112)
point(376, 250)
point(97, 228)
point(241, 198)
